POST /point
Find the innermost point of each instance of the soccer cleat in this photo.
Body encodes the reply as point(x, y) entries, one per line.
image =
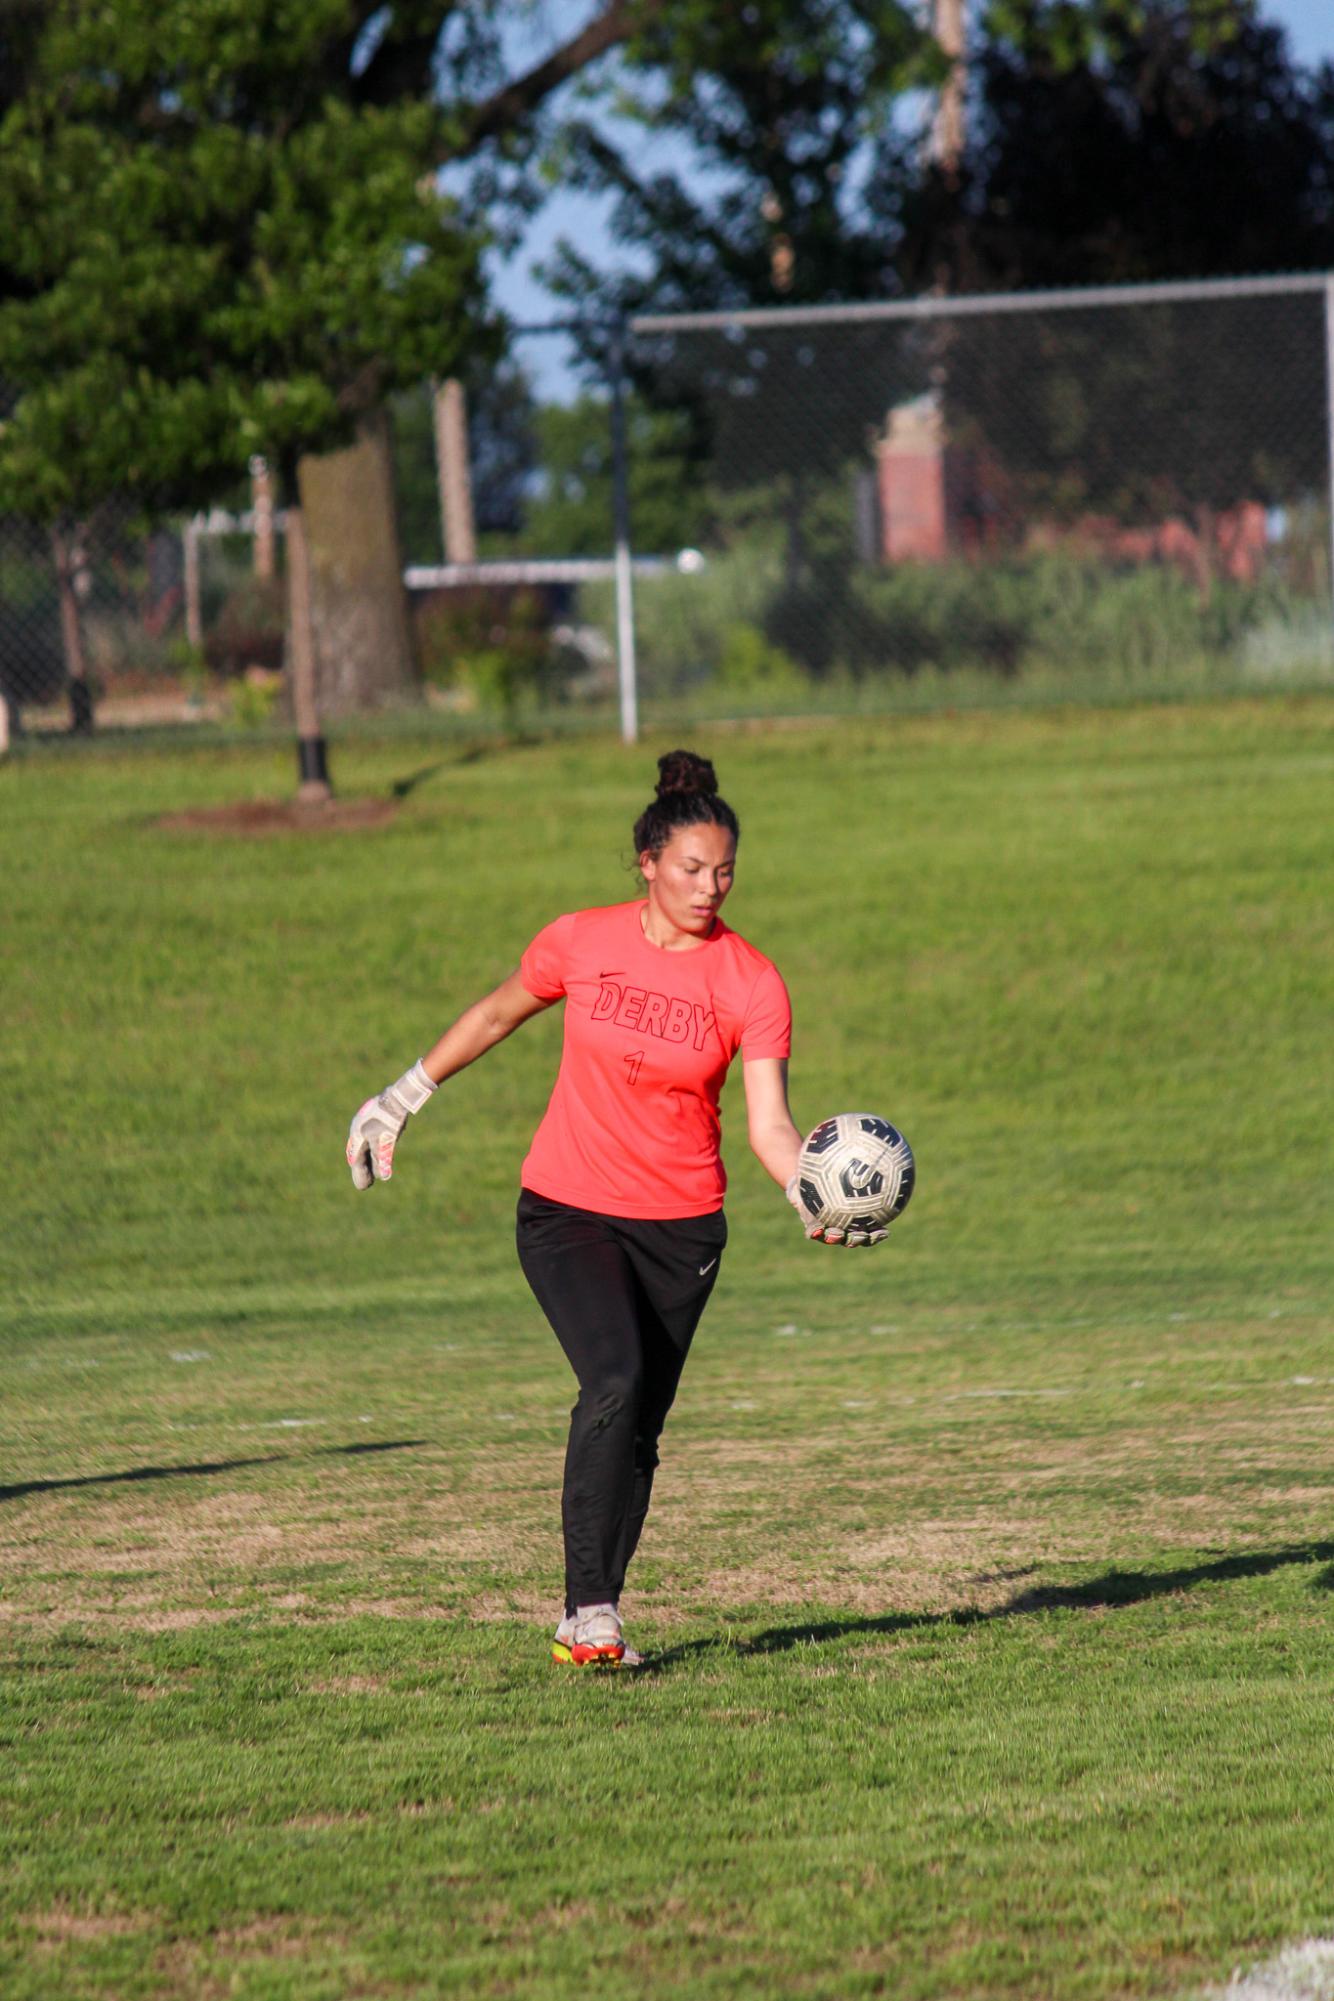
point(596, 1640)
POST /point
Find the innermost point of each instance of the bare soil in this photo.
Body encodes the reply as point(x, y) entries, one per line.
point(258, 819)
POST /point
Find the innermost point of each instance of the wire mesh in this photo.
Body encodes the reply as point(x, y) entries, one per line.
point(1083, 492)
point(1110, 493)
point(505, 497)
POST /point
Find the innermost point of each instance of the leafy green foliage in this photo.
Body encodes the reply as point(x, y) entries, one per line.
point(778, 102)
point(1201, 98)
point(492, 647)
point(1053, 621)
point(568, 511)
point(217, 251)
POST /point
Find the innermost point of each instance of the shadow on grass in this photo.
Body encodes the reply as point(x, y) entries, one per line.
point(402, 788)
point(1114, 1589)
point(22, 1487)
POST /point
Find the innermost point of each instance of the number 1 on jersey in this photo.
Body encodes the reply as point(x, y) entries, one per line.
point(634, 1061)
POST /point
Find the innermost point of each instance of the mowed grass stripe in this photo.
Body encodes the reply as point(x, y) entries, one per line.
point(989, 1578)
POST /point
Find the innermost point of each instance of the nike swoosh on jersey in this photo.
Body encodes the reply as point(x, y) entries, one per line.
point(704, 1269)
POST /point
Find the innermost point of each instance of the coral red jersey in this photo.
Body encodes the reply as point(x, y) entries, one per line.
point(633, 1126)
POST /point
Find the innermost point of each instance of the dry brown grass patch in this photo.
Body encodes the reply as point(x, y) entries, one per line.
point(63, 1925)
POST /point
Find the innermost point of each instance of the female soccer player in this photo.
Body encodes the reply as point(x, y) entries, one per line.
point(620, 1219)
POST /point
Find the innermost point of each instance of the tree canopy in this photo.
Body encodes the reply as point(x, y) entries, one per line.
point(780, 104)
point(1189, 144)
point(223, 228)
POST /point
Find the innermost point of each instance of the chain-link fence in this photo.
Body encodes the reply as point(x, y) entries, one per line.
point(1082, 491)
point(139, 620)
point(1128, 488)
point(507, 520)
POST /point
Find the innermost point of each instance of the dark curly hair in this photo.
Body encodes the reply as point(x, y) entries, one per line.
point(687, 796)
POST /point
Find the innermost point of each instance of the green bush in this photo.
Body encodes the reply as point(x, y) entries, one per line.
point(1041, 618)
point(249, 627)
point(750, 664)
point(489, 647)
point(682, 618)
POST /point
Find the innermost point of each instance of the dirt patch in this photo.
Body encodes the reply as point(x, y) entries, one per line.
point(61, 1925)
point(274, 1938)
point(257, 819)
point(318, 1823)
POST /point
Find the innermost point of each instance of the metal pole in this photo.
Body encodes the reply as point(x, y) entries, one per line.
point(620, 507)
point(1329, 424)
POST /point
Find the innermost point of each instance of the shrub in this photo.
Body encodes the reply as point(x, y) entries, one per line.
point(489, 645)
point(750, 664)
point(249, 628)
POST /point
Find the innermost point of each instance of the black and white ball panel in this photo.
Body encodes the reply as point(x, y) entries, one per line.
point(855, 1172)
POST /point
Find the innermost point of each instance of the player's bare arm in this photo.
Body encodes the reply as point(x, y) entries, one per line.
point(774, 1139)
point(480, 1027)
point(378, 1124)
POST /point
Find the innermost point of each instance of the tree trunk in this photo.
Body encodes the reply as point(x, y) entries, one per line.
point(362, 637)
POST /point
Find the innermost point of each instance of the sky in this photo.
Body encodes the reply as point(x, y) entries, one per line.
point(1310, 26)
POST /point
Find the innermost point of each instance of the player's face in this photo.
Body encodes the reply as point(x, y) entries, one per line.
point(689, 881)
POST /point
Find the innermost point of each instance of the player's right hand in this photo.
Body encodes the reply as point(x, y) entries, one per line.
point(815, 1231)
point(375, 1129)
point(819, 1234)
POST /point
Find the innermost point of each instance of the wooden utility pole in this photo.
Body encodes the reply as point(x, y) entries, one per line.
point(782, 257)
point(261, 507)
point(312, 756)
point(458, 532)
point(949, 131)
point(72, 584)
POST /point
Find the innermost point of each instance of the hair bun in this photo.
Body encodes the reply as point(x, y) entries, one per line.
point(682, 771)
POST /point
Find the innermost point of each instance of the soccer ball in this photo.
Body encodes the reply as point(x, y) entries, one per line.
point(855, 1172)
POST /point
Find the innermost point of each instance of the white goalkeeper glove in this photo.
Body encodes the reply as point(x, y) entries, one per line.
point(375, 1129)
point(817, 1231)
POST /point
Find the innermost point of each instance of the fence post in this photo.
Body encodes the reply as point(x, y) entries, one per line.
point(1329, 429)
point(261, 508)
point(312, 755)
point(620, 505)
point(71, 570)
point(194, 615)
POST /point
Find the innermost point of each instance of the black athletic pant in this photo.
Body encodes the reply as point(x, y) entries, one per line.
point(624, 1298)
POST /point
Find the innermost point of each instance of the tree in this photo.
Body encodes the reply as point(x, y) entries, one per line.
point(784, 119)
point(569, 506)
point(225, 237)
point(778, 104)
point(1190, 146)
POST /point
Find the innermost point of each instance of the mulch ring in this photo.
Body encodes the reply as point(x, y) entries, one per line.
point(256, 819)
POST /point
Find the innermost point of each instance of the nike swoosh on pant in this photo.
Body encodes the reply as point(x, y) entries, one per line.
point(708, 1267)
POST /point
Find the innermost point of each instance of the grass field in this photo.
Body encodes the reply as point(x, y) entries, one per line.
point(990, 1582)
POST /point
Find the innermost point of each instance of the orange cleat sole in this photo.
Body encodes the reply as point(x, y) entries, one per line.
point(573, 1656)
